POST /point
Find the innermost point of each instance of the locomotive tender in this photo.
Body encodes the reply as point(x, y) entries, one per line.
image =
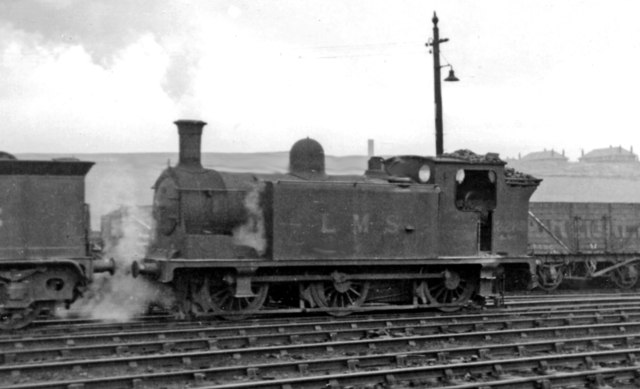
point(45, 255)
point(411, 231)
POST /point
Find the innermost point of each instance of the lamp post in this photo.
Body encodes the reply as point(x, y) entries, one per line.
point(435, 43)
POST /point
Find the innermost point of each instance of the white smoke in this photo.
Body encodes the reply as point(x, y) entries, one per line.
point(252, 233)
point(129, 235)
point(121, 297)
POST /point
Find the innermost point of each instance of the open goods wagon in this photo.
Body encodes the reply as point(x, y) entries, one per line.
point(585, 240)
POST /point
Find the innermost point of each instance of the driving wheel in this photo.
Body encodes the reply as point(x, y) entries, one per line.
point(340, 295)
point(218, 296)
point(451, 292)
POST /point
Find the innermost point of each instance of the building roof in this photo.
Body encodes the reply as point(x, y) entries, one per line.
point(610, 154)
point(545, 155)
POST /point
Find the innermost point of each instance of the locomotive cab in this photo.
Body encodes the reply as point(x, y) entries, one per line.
point(482, 207)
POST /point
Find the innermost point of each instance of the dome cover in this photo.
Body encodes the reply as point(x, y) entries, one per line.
point(5, 155)
point(306, 157)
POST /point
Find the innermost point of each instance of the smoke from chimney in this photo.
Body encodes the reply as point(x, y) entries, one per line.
point(190, 132)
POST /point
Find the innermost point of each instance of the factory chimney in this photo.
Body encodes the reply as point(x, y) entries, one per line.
point(190, 132)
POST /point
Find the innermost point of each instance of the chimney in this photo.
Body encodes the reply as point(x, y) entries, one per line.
point(370, 149)
point(190, 132)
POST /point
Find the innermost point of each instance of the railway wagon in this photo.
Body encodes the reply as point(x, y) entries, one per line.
point(45, 256)
point(410, 231)
point(585, 240)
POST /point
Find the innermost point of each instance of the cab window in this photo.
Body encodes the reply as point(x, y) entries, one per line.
point(475, 190)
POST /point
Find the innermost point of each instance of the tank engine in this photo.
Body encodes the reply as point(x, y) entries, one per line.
point(411, 231)
point(45, 256)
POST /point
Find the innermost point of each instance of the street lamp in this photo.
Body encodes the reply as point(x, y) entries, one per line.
point(452, 76)
point(435, 42)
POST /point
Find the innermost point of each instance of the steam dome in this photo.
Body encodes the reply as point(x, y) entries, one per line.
point(5, 155)
point(306, 158)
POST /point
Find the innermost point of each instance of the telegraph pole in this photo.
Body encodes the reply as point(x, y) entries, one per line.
point(435, 43)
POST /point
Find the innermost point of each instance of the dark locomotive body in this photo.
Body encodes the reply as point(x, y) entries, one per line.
point(410, 231)
point(45, 256)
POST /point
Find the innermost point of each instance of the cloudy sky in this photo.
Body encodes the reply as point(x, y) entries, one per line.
point(80, 76)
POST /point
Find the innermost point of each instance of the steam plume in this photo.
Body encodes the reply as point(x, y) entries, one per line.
point(121, 297)
point(252, 233)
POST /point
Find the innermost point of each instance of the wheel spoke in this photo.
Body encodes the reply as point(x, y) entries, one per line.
point(219, 293)
point(449, 294)
point(351, 301)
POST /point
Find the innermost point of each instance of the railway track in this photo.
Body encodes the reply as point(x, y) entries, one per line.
point(515, 303)
point(488, 348)
point(438, 365)
point(122, 343)
point(92, 332)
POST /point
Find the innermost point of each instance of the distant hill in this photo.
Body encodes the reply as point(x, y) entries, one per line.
point(126, 179)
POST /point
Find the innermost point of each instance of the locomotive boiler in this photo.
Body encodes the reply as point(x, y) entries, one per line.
point(45, 255)
point(411, 231)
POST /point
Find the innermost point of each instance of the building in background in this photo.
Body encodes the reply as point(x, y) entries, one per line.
point(545, 156)
point(610, 154)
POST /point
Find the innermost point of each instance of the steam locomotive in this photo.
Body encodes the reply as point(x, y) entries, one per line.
point(45, 254)
point(410, 231)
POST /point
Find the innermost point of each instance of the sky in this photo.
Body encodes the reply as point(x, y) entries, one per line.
point(101, 76)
